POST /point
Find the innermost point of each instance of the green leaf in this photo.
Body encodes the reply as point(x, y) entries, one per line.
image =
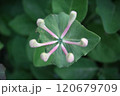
point(109, 74)
point(20, 75)
point(2, 72)
point(83, 69)
point(17, 52)
point(22, 25)
point(37, 8)
point(110, 14)
point(81, 6)
point(1, 45)
point(11, 8)
point(4, 30)
point(108, 50)
point(43, 73)
point(57, 24)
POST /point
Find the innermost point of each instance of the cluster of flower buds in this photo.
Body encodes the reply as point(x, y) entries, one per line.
point(69, 56)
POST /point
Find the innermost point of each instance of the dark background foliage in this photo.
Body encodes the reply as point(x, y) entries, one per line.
point(18, 26)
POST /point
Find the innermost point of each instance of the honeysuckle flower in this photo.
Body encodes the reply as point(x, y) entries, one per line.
point(59, 40)
point(62, 41)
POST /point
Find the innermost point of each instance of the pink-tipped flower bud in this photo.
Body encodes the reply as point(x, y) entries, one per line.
point(44, 56)
point(72, 17)
point(70, 57)
point(40, 23)
point(83, 42)
point(33, 43)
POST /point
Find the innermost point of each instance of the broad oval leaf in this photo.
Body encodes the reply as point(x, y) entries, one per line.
point(110, 14)
point(83, 69)
point(17, 53)
point(81, 6)
point(20, 74)
point(108, 50)
point(37, 8)
point(4, 30)
point(109, 73)
point(1, 45)
point(43, 73)
point(57, 24)
point(22, 25)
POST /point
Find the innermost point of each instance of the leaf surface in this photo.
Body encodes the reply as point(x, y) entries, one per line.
point(83, 69)
point(81, 6)
point(110, 14)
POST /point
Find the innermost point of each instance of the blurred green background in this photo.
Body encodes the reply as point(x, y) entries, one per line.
point(18, 26)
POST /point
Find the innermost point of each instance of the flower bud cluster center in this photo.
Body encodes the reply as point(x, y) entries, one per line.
point(69, 56)
point(60, 40)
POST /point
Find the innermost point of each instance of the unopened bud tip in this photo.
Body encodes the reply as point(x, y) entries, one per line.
point(70, 57)
point(33, 43)
point(84, 42)
point(40, 22)
point(44, 56)
point(72, 18)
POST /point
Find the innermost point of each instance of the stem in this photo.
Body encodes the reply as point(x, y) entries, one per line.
point(64, 49)
point(34, 43)
point(50, 32)
point(69, 42)
point(47, 43)
point(54, 49)
point(66, 30)
point(83, 42)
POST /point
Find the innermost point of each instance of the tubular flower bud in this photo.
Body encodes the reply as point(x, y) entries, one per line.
point(64, 49)
point(33, 43)
point(41, 23)
point(83, 42)
point(72, 17)
point(45, 56)
point(70, 57)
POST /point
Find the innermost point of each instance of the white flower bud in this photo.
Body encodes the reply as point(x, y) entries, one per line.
point(83, 42)
point(40, 23)
point(72, 17)
point(33, 43)
point(44, 56)
point(70, 57)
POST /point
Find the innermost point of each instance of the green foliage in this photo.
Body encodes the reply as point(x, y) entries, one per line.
point(105, 74)
point(18, 26)
point(37, 8)
point(4, 30)
point(1, 45)
point(81, 6)
point(22, 25)
point(108, 50)
point(16, 50)
point(110, 14)
point(42, 73)
point(20, 75)
point(83, 69)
